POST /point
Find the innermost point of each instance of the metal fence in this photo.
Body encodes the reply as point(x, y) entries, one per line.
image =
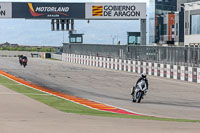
point(187, 56)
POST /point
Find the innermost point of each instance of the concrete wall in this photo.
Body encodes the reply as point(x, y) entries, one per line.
point(191, 9)
point(179, 2)
point(189, 39)
point(143, 31)
point(56, 56)
point(167, 55)
point(96, 50)
point(176, 22)
point(176, 72)
point(17, 53)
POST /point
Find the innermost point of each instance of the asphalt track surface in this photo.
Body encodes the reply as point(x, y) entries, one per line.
point(166, 97)
point(21, 114)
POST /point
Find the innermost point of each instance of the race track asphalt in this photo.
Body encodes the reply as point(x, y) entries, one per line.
point(21, 114)
point(166, 97)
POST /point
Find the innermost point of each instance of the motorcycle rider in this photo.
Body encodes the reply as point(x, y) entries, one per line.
point(24, 59)
point(20, 59)
point(143, 77)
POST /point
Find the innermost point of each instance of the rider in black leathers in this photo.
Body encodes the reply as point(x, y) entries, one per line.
point(20, 59)
point(24, 57)
point(143, 77)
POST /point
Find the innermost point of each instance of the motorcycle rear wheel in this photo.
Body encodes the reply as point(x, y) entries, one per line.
point(133, 99)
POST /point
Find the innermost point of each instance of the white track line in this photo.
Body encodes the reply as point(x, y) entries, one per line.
point(12, 93)
point(88, 99)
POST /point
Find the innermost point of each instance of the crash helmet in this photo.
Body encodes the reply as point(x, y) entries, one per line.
point(143, 75)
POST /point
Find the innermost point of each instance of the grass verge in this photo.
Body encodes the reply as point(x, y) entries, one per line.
point(70, 107)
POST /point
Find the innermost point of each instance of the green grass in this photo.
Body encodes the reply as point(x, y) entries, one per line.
point(27, 48)
point(70, 107)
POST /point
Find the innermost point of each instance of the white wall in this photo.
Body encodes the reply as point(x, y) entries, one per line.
point(192, 6)
point(192, 39)
point(56, 56)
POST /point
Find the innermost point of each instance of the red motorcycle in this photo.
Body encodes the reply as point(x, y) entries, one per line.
point(24, 61)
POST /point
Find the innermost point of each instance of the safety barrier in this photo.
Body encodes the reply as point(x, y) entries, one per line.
point(190, 74)
point(56, 56)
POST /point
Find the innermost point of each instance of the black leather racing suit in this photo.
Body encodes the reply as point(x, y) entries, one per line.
point(140, 79)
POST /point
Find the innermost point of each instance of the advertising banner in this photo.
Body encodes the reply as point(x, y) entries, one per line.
point(115, 11)
point(48, 10)
point(104, 11)
point(5, 10)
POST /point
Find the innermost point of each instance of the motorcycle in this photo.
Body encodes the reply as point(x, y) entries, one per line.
point(20, 61)
point(24, 62)
point(139, 91)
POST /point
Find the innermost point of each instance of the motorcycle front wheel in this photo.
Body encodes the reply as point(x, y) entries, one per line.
point(140, 95)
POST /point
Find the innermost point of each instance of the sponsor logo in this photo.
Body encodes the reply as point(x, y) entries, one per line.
point(49, 11)
point(5, 10)
point(116, 11)
point(2, 12)
point(97, 10)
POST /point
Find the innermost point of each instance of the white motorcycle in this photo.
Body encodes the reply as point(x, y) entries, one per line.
point(139, 91)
